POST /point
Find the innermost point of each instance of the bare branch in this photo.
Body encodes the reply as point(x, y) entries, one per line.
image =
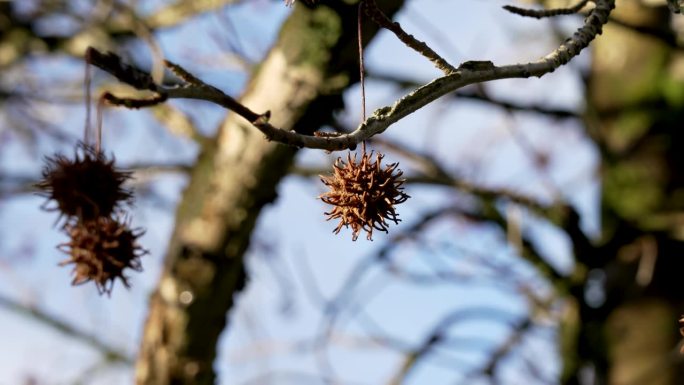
point(439, 331)
point(126, 73)
point(374, 12)
point(466, 74)
point(112, 354)
point(661, 32)
point(477, 95)
point(539, 14)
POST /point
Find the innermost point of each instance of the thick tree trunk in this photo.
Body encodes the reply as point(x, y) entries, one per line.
point(635, 114)
point(313, 60)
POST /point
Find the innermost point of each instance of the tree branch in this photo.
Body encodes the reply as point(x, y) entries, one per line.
point(91, 340)
point(372, 10)
point(477, 95)
point(466, 74)
point(539, 14)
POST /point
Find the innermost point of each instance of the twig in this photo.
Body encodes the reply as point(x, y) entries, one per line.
point(133, 102)
point(86, 85)
point(362, 70)
point(539, 14)
point(112, 63)
point(112, 354)
point(661, 32)
point(376, 14)
point(513, 340)
point(507, 105)
point(182, 73)
point(440, 330)
point(468, 73)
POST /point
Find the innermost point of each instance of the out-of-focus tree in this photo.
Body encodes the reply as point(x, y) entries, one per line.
point(635, 102)
point(612, 310)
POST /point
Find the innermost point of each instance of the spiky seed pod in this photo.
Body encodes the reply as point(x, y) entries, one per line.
point(100, 250)
point(364, 194)
point(87, 187)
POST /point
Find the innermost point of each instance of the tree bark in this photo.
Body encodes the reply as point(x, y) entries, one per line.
point(301, 82)
point(634, 114)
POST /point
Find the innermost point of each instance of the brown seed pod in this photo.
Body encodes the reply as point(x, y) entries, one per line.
point(87, 187)
point(100, 250)
point(363, 194)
